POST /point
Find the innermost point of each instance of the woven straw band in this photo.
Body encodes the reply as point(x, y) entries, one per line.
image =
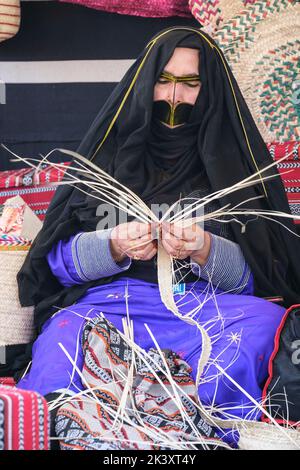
point(16, 322)
point(9, 19)
point(264, 436)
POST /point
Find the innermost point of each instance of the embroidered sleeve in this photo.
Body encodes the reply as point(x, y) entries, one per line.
point(226, 267)
point(84, 257)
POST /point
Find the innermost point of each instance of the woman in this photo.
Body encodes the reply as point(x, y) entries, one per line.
point(176, 126)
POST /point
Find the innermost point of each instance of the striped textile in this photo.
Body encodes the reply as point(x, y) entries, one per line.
point(28, 177)
point(34, 187)
point(37, 197)
point(289, 170)
point(9, 18)
point(11, 242)
point(60, 69)
point(24, 420)
point(83, 424)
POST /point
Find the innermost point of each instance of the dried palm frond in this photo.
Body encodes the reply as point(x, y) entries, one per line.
point(130, 416)
point(118, 195)
point(105, 188)
point(252, 433)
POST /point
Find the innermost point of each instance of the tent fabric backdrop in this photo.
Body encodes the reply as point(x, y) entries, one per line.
point(59, 70)
point(148, 8)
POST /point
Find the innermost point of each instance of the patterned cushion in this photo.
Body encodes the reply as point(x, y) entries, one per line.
point(24, 420)
point(35, 188)
point(290, 171)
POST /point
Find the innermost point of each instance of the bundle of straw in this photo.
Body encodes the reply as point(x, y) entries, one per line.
point(105, 188)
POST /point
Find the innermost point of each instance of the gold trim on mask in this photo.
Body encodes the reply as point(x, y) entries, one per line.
point(170, 113)
point(172, 78)
point(149, 47)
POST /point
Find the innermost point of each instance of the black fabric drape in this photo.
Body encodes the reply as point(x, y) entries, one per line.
point(283, 385)
point(222, 150)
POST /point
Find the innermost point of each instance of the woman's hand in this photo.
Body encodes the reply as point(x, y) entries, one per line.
point(181, 242)
point(133, 239)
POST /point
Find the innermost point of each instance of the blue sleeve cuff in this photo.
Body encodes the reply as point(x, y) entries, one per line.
point(225, 267)
point(92, 256)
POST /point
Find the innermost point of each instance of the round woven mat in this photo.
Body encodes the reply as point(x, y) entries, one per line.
point(212, 14)
point(262, 46)
point(9, 19)
point(264, 436)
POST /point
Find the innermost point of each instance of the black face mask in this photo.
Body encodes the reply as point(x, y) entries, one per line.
point(171, 114)
point(174, 114)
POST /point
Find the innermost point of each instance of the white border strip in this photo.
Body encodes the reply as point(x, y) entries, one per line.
point(64, 71)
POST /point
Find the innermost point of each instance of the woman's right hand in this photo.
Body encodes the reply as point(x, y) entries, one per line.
point(133, 239)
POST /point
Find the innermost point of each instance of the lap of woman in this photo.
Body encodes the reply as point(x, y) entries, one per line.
point(241, 328)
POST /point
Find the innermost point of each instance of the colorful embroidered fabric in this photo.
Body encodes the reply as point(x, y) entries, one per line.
point(147, 8)
point(29, 177)
point(10, 242)
point(24, 420)
point(155, 419)
point(9, 381)
point(289, 170)
point(34, 187)
point(18, 220)
point(36, 197)
point(11, 220)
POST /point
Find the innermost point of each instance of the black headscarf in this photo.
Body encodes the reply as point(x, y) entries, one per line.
point(219, 122)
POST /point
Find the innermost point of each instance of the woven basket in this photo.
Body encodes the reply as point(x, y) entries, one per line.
point(264, 436)
point(16, 322)
point(9, 19)
point(212, 14)
point(262, 46)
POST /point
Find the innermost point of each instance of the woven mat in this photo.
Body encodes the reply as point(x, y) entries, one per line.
point(261, 41)
point(16, 322)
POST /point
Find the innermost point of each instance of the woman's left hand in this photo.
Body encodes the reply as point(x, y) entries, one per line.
point(181, 242)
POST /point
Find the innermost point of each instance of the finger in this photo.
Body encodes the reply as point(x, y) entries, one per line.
point(149, 249)
point(128, 243)
point(190, 233)
point(144, 252)
point(177, 254)
point(177, 230)
point(138, 255)
point(195, 235)
point(144, 241)
point(173, 242)
point(169, 247)
point(194, 239)
point(137, 230)
point(150, 255)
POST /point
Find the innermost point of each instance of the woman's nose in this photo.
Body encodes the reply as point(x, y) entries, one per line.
point(175, 92)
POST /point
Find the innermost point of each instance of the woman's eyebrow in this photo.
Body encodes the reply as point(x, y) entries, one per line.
point(194, 74)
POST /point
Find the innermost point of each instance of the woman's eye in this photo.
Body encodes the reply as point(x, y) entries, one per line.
point(162, 81)
point(192, 85)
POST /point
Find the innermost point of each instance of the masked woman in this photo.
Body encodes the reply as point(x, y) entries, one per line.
point(175, 127)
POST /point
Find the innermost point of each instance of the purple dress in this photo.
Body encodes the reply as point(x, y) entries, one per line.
point(241, 326)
